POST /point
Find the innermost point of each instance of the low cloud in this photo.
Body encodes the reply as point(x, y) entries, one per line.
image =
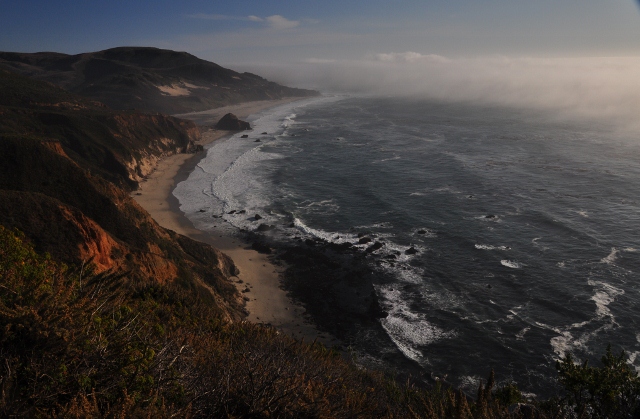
point(205, 16)
point(408, 57)
point(277, 22)
point(586, 87)
point(280, 22)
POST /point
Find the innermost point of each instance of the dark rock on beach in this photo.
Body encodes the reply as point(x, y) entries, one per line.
point(265, 227)
point(364, 240)
point(230, 122)
point(257, 217)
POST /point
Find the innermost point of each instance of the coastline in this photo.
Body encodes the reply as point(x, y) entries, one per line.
point(267, 302)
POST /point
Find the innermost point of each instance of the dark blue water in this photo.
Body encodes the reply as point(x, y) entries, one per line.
point(525, 225)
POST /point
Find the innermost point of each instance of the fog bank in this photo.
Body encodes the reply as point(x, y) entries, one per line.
point(605, 88)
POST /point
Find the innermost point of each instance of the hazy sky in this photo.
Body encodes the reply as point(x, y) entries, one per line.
point(577, 57)
point(242, 32)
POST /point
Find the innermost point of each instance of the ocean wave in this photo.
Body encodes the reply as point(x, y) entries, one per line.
point(577, 335)
point(490, 247)
point(407, 329)
point(611, 257)
point(510, 264)
point(520, 334)
point(331, 237)
point(604, 295)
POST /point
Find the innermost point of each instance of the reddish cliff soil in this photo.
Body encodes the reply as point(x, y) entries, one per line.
point(65, 173)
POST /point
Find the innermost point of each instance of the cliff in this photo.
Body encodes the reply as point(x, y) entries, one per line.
point(66, 166)
point(122, 147)
point(148, 79)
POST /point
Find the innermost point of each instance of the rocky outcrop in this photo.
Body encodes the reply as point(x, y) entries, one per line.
point(230, 122)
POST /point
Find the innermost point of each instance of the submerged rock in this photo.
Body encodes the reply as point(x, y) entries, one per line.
point(410, 251)
point(374, 247)
point(265, 227)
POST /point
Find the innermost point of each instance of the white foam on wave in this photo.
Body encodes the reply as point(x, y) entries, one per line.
point(575, 337)
point(604, 295)
point(238, 189)
point(611, 258)
point(633, 356)
point(224, 179)
point(510, 264)
point(408, 330)
point(490, 247)
point(520, 334)
point(331, 237)
point(407, 276)
point(289, 120)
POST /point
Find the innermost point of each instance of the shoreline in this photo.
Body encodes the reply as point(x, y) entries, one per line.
point(267, 302)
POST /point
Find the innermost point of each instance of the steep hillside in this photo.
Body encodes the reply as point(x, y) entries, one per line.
point(66, 165)
point(122, 147)
point(148, 79)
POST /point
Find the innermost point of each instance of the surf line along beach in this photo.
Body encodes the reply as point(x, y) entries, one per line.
point(266, 302)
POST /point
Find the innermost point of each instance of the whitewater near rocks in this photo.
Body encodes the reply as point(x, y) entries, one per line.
point(522, 228)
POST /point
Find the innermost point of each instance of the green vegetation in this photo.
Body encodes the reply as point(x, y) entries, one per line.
point(79, 344)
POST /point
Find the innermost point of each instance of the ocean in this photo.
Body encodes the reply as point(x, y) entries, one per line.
point(508, 236)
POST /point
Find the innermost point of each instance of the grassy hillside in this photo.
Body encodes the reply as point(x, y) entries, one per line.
point(148, 79)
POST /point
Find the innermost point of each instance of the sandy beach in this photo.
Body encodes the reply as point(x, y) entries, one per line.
point(267, 303)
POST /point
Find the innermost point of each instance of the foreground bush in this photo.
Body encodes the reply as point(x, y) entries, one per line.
point(74, 344)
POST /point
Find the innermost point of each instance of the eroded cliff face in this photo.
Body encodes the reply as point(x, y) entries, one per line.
point(60, 230)
point(122, 147)
point(65, 177)
point(152, 145)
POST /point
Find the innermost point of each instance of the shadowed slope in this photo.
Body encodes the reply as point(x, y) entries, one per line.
point(149, 79)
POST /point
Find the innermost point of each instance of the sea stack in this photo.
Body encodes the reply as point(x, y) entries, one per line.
point(230, 122)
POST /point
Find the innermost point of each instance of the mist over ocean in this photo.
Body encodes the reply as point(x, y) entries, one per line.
point(524, 225)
